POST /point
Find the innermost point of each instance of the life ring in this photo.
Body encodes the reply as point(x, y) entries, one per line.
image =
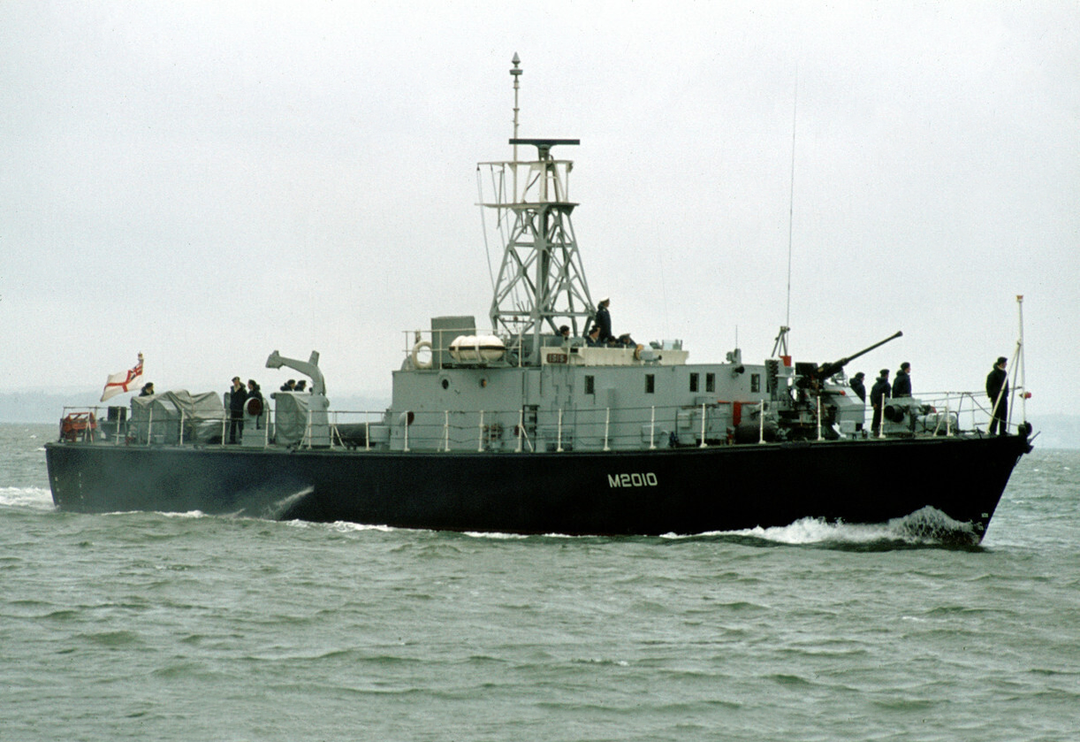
point(254, 406)
point(637, 352)
point(416, 362)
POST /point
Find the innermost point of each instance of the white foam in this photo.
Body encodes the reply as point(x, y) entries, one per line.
point(816, 531)
point(347, 526)
point(497, 535)
point(926, 526)
point(26, 497)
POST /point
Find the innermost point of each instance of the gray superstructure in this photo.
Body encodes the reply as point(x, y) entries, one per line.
point(520, 386)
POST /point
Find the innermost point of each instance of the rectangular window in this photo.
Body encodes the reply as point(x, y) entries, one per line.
point(755, 382)
point(590, 385)
point(710, 382)
point(650, 383)
point(693, 382)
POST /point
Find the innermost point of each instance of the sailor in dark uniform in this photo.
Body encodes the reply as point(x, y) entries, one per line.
point(857, 386)
point(603, 320)
point(237, 397)
point(255, 392)
point(901, 387)
point(997, 385)
point(878, 393)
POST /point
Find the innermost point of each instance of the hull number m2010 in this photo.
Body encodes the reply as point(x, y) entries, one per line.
point(644, 479)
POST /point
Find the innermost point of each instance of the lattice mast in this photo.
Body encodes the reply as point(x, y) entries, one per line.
point(541, 282)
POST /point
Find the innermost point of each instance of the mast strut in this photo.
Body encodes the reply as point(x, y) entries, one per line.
point(541, 282)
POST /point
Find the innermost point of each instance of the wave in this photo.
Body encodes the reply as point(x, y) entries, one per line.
point(927, 527)
point(35, 498)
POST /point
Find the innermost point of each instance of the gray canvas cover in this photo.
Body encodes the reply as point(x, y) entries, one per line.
point(290, 417)
point(158, 418)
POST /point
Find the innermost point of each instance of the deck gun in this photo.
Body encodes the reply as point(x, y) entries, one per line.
point(826, 370)
point(815, 411)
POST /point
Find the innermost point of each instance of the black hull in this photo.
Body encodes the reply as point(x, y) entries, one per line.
point(681, 491)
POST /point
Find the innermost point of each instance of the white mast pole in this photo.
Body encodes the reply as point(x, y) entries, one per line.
point(516, 74)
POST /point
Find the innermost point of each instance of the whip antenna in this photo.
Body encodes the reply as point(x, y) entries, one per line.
point(791, 199)
point(780, 346)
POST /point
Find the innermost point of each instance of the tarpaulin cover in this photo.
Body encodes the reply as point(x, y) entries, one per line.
point(157, 418)
point(290, 416)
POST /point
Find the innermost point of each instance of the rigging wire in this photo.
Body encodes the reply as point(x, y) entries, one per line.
point(483, 226)
point(663, 291)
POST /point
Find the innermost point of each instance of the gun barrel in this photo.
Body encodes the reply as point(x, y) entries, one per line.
point(826, 370)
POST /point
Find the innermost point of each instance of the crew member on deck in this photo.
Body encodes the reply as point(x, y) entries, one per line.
point(901, 387)
point(255, 392)
point(997, 386)
point(564, 334)
point(857, 385)
point(237, 397)
point(289, 386)
point(603, 320)
point(593, 339)
point(147, 390)
point(878, 393)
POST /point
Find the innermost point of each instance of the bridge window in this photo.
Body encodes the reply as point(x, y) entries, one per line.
point(755, 382)
point(650, 383)
point(710, 382)
point(693, 382)
point(590, 385)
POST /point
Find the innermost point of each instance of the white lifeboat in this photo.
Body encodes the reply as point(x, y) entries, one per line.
point(477, 349)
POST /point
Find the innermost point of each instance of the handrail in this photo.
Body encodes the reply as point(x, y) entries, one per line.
point(567, 427)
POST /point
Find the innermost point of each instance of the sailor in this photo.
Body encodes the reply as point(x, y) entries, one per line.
point(301, 386)
point(857, 386)
point(289, 386)
point(237, 397)
point(997, 389)
point(603, 320)
point(147, 390)
point(878, 393)
point(593, 338)
point(254, 392)
point(902, 385)
point(564, 334)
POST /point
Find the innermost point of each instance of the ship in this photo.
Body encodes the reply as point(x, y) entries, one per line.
point(538, 424)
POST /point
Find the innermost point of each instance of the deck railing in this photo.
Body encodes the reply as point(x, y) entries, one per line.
point(524, 429)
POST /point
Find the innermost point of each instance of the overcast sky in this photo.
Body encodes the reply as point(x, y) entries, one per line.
point(208, 182)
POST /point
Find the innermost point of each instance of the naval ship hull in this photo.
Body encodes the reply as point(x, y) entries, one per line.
point(684, 491)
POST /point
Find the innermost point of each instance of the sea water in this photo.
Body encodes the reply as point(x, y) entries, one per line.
point(143, 626)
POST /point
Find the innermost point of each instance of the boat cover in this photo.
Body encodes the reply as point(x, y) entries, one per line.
point(290, 417)
point(160, 415)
